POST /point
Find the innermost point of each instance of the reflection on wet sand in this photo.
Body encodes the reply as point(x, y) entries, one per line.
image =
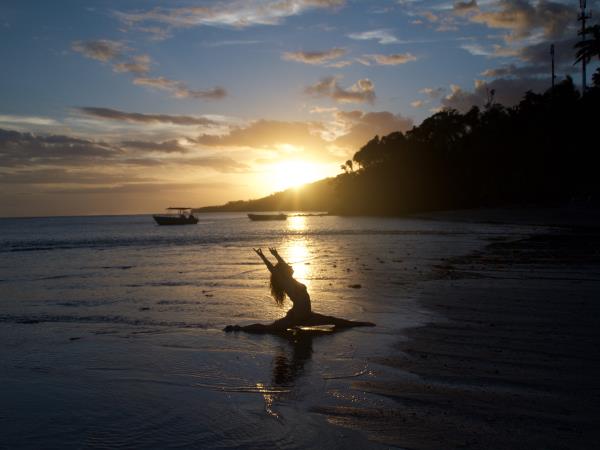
point(288, 365)
point(269, 397)
point(291, 358)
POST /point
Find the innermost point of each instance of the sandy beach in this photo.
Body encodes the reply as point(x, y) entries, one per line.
point(511, 358)
point(486, 336)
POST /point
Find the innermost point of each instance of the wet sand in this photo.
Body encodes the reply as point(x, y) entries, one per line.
point(109, 346)
point(511, 358)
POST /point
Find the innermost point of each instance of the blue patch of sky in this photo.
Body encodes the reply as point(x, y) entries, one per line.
point(45, 76)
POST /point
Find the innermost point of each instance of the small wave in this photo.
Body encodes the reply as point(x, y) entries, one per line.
point(60, 277)
point(122, 320)
point(176, 302)
point(162, 284)
point(187, 240)
point(251, 389)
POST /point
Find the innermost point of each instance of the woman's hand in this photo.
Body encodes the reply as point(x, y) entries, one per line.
point(273, 251)
point(268, 263)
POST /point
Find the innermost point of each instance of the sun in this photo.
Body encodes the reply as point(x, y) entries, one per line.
point(294, 173)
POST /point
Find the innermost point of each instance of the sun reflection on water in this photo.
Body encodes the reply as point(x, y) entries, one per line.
point(297, 255)
point(296, 223)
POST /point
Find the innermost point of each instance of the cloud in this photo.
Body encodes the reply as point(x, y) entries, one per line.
point(347, 131)
point(465, 7)
point(321, 110)
point(431, 17)
point(141, 188)
point(388, 60)
point(113, 114)
point(113, 52)
point(116, 54)
point(219, 163)
point(27, 150)
point(432, 93)
point(19, 149)
point(363, 91)
point(442, 19)
point(232, 42)
point(179, 89)
point(238, 14)
point(540, 53)
point(101, 50)
point(383, 36)
point(535, 61)
point(315, 58)
point(478, 50)
point(360, 127)
point(156, 33)
point(269, 134)
point(524, 19)
point(59, 175)
point(138, 65)
point(508, 92)
point(27, 120)
point(170, 146)
point(340, 64)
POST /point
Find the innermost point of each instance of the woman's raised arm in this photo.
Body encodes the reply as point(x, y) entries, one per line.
point(268, 263)
point(275, 253)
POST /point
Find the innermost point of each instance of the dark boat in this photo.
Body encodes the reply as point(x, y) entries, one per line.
point(267, 216)
point(183, 216)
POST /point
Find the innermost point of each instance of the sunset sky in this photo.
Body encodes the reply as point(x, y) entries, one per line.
point(110, 107)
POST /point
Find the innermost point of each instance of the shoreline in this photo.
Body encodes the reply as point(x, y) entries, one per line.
point(512, 361)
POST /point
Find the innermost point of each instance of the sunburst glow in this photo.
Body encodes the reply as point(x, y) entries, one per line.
point(294, 173)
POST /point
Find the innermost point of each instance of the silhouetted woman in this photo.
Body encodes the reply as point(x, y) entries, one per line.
point(283, 283)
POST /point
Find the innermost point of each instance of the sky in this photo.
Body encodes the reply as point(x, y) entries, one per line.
point(131, 106)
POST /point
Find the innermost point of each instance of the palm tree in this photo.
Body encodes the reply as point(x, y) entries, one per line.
point(589, 48)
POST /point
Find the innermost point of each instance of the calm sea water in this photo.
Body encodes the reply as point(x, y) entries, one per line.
point(111, 326)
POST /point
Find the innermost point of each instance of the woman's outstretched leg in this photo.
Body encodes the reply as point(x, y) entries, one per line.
point(279, 326)
point(257, 328)
point(321, 319)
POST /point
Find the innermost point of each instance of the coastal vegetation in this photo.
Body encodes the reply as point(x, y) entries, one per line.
point(540, 151)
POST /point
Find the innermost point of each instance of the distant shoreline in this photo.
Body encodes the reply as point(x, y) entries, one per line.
point(559, 214)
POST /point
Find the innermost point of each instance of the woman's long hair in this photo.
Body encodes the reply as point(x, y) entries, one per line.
point(277, 290)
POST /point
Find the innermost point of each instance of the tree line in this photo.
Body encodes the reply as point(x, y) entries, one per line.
point(540, 151)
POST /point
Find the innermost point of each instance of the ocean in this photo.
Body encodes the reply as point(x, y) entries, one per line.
point(111, 326)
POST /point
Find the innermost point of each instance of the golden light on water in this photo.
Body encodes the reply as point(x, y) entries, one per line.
point(296, 223)
point(269, 397)
point(297, 255)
